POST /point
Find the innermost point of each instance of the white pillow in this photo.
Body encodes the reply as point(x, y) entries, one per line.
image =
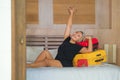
point(32, 52)
point(53, 52)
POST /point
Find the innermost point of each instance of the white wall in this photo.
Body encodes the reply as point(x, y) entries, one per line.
point(5, 40)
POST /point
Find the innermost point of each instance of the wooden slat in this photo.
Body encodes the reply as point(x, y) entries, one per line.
point(54, 43)
point(53, 47)
point(55, 40)
point(36, 43)
point(40, 36)
point(34, 39)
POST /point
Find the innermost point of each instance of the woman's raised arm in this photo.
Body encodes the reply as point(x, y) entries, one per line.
point(69, 23)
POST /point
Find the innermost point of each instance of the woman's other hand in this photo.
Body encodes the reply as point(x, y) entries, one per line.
point(71, 10)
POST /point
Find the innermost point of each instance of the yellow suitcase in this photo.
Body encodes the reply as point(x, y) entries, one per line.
point(90, 59)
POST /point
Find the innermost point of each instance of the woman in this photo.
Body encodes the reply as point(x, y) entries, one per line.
point(66, 51)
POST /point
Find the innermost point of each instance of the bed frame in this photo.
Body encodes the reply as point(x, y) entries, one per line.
point(53, 41)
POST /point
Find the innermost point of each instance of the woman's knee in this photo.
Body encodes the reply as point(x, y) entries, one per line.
point(45, 51)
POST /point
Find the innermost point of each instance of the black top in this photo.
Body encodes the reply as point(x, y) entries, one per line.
point(66, 52)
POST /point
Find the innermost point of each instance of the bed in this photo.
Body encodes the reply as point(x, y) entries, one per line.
point(106, 71)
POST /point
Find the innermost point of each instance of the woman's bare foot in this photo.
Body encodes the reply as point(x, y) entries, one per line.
point(28, 65)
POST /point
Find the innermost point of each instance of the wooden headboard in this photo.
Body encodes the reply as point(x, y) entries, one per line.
point(46, 41)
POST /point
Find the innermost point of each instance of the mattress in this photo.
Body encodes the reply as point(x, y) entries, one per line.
point(101, 72)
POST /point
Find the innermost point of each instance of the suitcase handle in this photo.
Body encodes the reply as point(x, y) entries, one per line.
point(99, 60)
point(98, 55)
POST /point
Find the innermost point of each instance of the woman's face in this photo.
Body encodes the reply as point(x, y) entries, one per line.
point(76, 36)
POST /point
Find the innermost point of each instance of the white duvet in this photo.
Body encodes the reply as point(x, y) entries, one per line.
point(102, 72)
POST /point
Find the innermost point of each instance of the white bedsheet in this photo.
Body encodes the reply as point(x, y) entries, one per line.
point(102, 72)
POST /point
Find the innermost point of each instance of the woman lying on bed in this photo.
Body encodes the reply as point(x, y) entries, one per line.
point(66, 51)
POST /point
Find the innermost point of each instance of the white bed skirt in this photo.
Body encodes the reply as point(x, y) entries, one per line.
point(102, 72)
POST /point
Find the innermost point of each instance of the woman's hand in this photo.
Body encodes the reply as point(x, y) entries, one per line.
point(88, 37)
point(71, 10)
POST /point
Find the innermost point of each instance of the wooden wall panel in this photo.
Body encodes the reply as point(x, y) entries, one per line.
point(85, 11)
point(32, 12)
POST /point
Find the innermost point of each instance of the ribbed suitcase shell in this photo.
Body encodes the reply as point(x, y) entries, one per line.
point(90, 59)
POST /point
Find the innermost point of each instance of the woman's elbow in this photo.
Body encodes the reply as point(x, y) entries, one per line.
point(90, 50)
point(85, 50)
